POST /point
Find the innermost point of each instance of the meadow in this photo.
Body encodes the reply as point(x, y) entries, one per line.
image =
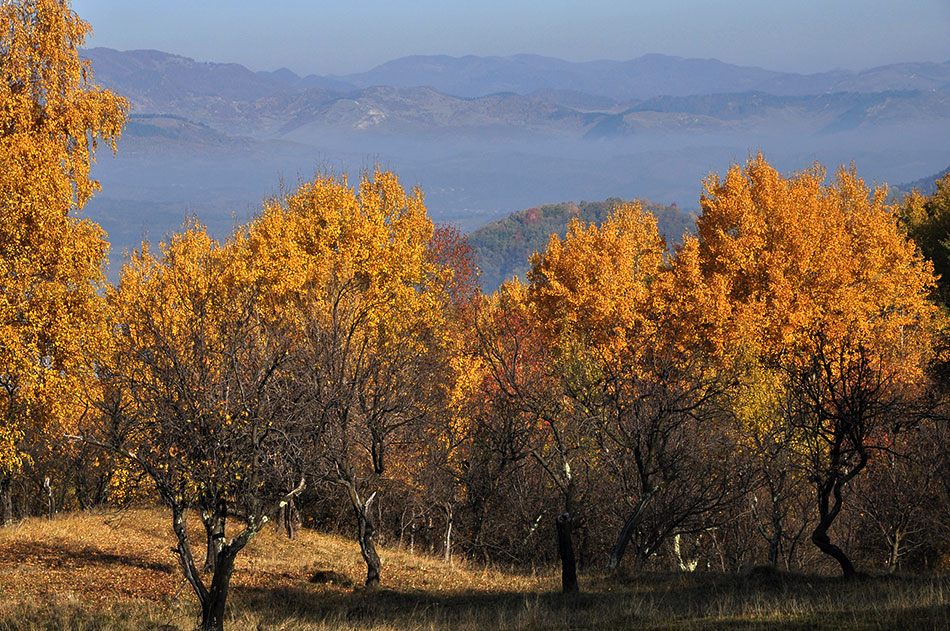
point(113, 570)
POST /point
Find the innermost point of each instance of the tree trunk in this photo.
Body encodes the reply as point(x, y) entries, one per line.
point(774, 550)
point(447, 537)
point(293, 520)
point(778, 525)
point(895, 543)
point(775, 537)
point(288, 520)
point(213, 607)
point(214, 532)
point(827, 513)
point(6, 498)
point(620, 546)
point(820, 538)
point(366, 531)
point(51, 504)
point(565, 550)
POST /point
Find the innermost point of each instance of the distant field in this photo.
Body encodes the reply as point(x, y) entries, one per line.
point(110, 571)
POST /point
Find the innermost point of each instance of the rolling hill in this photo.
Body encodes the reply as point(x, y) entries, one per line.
point(504, 246)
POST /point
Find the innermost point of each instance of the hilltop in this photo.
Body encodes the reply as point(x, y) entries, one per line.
point(504, 246)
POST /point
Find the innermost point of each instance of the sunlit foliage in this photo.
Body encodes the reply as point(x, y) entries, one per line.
point(51, 119)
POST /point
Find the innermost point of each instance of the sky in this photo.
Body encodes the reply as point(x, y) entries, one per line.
point(344, 36)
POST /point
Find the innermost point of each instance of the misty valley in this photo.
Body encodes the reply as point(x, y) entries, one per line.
point(486, 137)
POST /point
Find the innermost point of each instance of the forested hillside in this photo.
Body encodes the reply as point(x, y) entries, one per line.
point(503, 247)
point(925, 185)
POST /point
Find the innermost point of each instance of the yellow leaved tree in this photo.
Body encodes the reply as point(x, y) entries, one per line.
point(349, 273)
point(51, 119)
point(622, 320)
point(822, 298)
point(199, 397)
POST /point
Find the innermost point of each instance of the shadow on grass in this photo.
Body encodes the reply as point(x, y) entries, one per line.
point(648, 601)
point(55, 556)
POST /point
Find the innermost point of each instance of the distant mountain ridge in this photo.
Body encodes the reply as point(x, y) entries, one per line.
point(644, 77)
point(522, 93)
point(641, 78)
point(924, 186)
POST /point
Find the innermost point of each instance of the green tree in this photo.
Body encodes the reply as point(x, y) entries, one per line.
point(927, 222)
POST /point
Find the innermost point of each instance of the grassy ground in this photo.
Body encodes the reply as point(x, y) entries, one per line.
point(101, 571)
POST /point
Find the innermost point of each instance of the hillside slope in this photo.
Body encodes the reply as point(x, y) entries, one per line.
point(925, 185)
point(504, 246)
point(113, 571)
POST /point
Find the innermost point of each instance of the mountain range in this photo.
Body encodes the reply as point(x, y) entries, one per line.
point(486, 136)
point(429, 94)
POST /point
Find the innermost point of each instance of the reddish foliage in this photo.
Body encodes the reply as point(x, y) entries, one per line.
point(449, 248)
point(532, 215)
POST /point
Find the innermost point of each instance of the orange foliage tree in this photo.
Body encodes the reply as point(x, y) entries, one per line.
point(51, 119)
point(814, 284)
point(620, 317)
point(198, 395)
point(351, 272)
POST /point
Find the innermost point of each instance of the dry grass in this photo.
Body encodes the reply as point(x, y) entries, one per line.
point(110, 572)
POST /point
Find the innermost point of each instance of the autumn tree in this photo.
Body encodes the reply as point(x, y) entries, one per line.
point(450, 251)
point(492, 432)
point(816, 284)
point(633, 373)
point(197, 396)
point(432, 465)
point(352, 272)
point(52, 117)
point(523, 385)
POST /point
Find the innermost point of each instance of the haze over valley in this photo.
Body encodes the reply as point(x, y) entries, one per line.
point(487, 136)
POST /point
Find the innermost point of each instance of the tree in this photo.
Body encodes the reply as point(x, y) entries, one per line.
point(927, 222)
point(633, 372)
point(523, 381)
point(52, 118)
point(198, 396)
point(815, 282)
point(450, 251)
point(352, 273)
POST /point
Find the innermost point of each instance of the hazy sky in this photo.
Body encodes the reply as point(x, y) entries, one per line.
point(337, 37)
